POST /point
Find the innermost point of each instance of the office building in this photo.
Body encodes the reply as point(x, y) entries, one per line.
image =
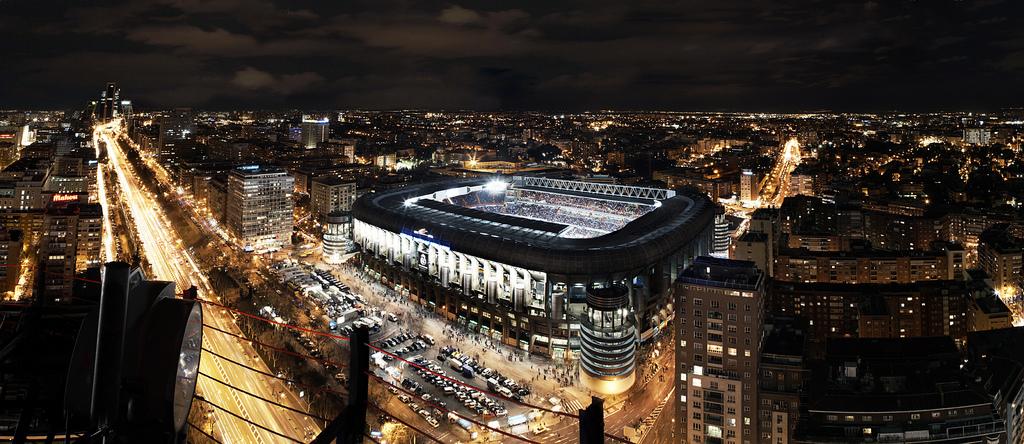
point(110, 100)
point(719, 306)
point(314, 131)
point(329, 194)
point(259, 207)
point(977, 136)
point(177, 131)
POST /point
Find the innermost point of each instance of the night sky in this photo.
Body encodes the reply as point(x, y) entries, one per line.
point(735, 55)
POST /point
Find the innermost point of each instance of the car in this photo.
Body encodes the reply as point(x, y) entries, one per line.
point(405, 399)
point(393, 390)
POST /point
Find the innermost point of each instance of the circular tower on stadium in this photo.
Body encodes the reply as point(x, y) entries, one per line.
point(608, 340)
point(337, 235)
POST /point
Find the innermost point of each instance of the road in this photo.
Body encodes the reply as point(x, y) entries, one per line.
point(775, 187)
point(169, 260)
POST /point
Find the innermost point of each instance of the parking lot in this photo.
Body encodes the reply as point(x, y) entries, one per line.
point(436, 381)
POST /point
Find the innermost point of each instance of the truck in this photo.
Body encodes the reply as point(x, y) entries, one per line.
point(463, 423)
point(467, 372)
point(456, 365)
point(492, 384)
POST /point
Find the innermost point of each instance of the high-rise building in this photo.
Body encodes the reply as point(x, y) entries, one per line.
point(801, 183)
point(176, 134)
point(925, 308)
point(996, 358)
point(749, 186)
point(1001, 257)
point(125, 110)
point(259, 207)
point(329, 194)
point(314, 131)
point(71, 242)
point(110, 99)
point(753, 246)
point(10, 259)
point(344, 148)
point(719, 304)
point(783, 374)
point(977, 136)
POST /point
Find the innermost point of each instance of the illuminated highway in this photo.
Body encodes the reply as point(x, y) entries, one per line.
point(775, 187)
point(170, 260)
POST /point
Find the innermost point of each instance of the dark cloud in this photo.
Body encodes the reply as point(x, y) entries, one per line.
point(580, 54)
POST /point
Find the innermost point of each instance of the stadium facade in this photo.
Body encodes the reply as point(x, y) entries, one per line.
point(567, 269)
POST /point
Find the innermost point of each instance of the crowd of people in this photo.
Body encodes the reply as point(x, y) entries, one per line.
point(592, 223)
point(585, 217)
point(627, 210)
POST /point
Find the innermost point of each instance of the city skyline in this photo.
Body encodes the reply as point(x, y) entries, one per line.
point(461, 221)
point(844, 56)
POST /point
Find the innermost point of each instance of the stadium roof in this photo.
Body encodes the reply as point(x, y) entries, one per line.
point(678, 222)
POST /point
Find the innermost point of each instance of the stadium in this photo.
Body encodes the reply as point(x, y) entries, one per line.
point(562, 268)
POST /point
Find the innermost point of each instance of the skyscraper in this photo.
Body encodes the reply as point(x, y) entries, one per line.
point(71, 243)
point(176, 131)
point(314, 131)
point(749, 186)
point(110, 99)
point(718, 332)
point(259, 207)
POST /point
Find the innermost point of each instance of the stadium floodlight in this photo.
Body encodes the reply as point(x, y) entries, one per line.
point(496, 186)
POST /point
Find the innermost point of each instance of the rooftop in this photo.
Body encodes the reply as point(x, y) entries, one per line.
point(257, 170)
point(726, 273)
